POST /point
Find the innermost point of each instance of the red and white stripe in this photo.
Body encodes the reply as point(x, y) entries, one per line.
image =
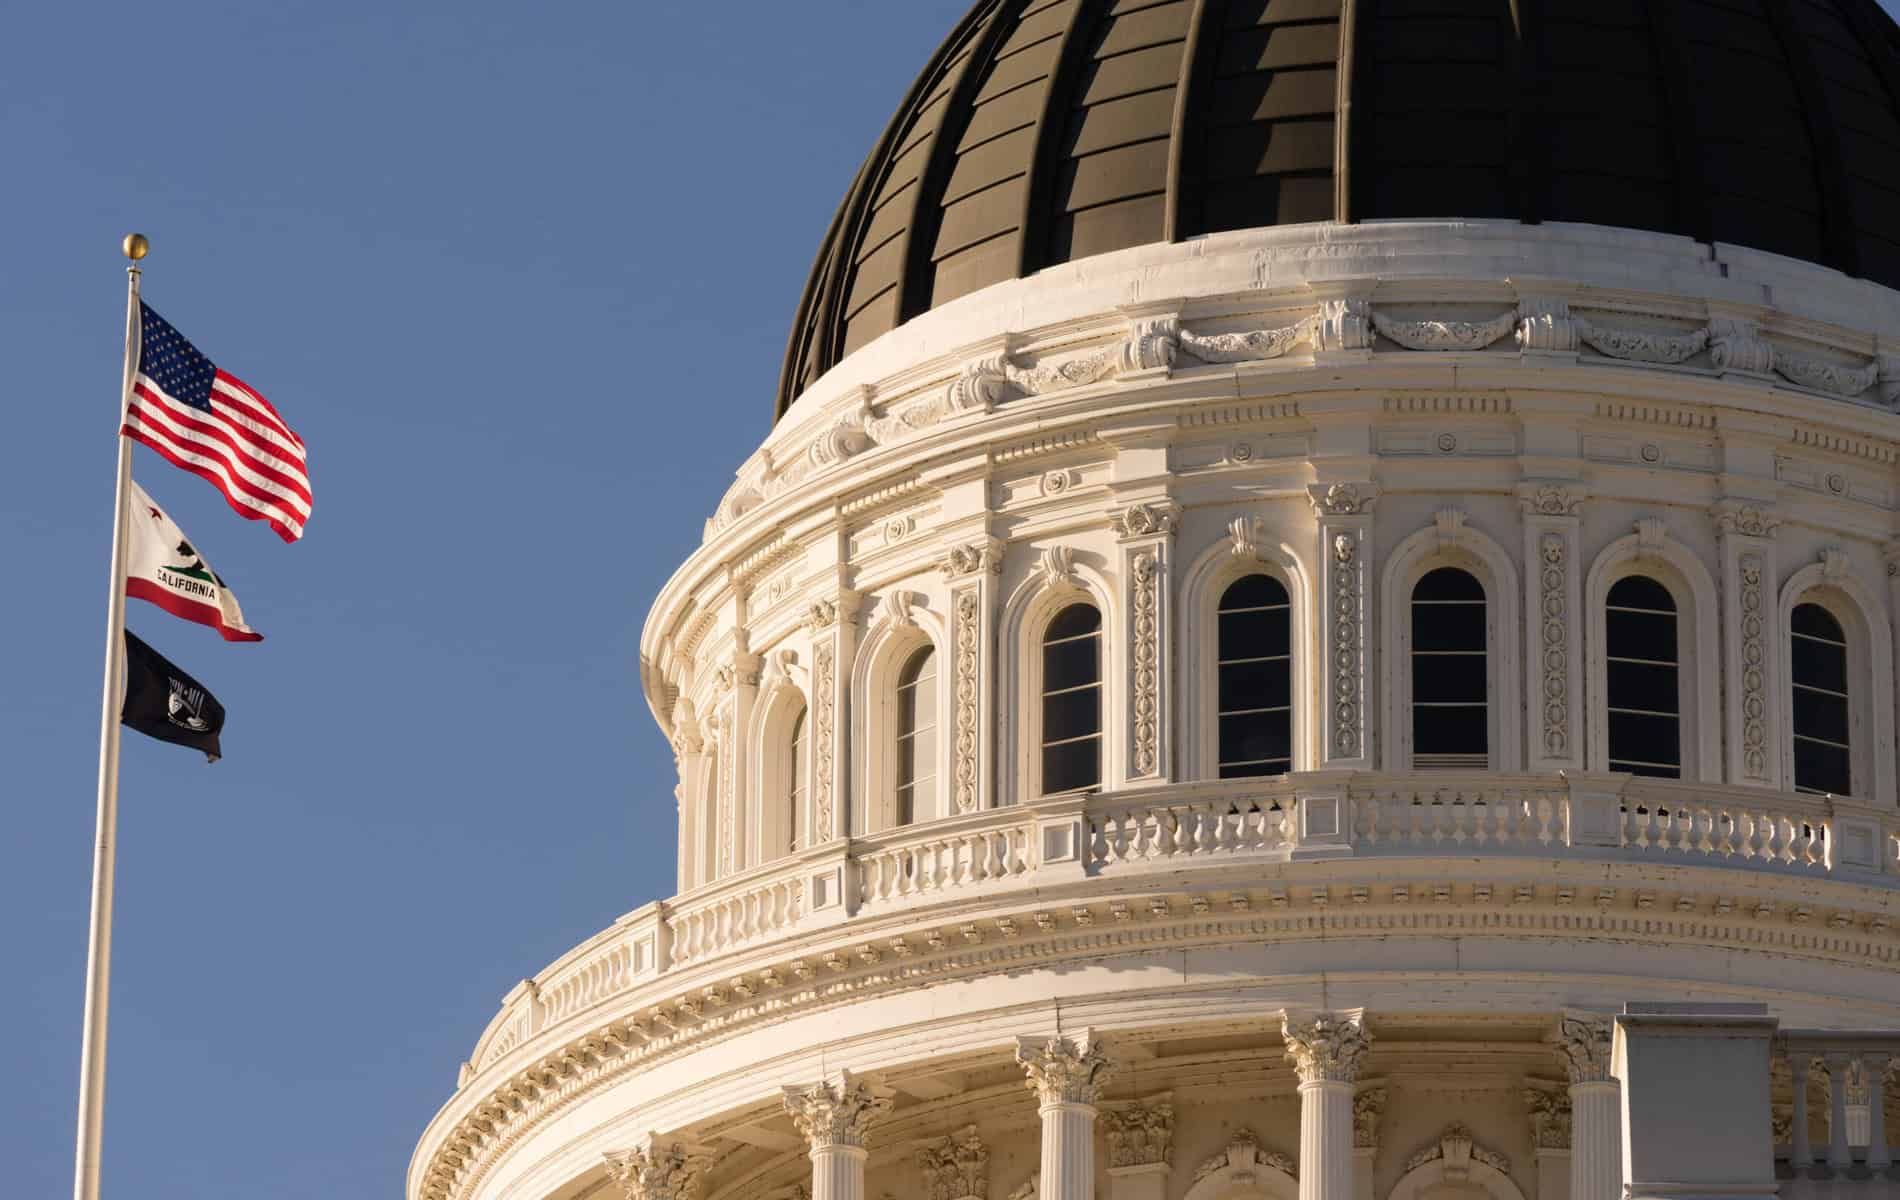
point(241, 447)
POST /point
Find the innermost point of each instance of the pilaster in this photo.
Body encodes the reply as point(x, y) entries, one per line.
point(1145, 533)
point(690, 759)
point(956, 1168)
point(1752, 700)
point(1368, 1105)
point(1140, 1148)
point(971, 570)
point(657, 1170)
point(836, 1118)
point(1548, 1106)
point(1344, 512)
point(833, 622)
point(1596, 1146)
point(1067, 1075)
point(1327, 1050)
point(1553, 588)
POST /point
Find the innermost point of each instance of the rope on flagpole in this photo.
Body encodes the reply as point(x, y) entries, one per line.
point(92, 1050)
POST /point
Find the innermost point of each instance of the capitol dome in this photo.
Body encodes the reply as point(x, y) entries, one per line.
point(1318, 622)
point(1045, 131)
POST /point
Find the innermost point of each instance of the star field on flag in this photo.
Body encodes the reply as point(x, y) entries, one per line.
point(212, 424)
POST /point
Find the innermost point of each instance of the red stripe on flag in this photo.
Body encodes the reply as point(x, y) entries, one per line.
point(288, 525)
point(190, 610)
point(236, 446)
point(265, 410)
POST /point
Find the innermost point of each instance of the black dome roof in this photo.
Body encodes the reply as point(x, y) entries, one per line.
point(1049, 130)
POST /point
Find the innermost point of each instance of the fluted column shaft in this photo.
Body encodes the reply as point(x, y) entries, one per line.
point(1327, 1050)
point(1067, 1075)
point(1596, 1129)
point(837, 1172)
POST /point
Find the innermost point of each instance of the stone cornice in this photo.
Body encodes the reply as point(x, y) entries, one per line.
point(1294, 903)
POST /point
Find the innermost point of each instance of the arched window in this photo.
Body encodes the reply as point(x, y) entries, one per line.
point(1642, 678)
point(1254, 665)
point(800, 764)
point(1823, 753)
point(917, 735)
point(1451, 712)
point(1072, 700)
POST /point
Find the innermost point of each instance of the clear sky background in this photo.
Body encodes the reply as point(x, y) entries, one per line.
point(521, 275)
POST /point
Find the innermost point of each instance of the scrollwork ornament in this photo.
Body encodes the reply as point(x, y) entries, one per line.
point(1550, 499)
point(1549, 1110)
point(956, 1168)
point(1252, 346)
point(1327, 1047)
point(1584, 1043)
point(824, 707)
point(1754, 666)
point(1737, 345)
point(969, 559)
point(1343, 325)
point(1368, 1105)
point(1065, 1070)
point(968, 614)
point(1146, 519)
point(1244, 1153)
point(1146, 654)
point(1140, 1133)
point(1342, 499)
point(1554, 553)
point(1444, 335)
point(1346, 658)
point(658, 1171)
point(1825, 376)
point(1634, 345)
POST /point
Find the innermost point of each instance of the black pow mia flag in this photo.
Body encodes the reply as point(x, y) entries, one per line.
point(162, 701)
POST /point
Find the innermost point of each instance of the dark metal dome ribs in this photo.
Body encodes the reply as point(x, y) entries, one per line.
point(1044, 131)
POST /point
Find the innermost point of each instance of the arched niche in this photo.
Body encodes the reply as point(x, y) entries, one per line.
point(1457, 1168)
point(1057, 581)
point(1244, 1171)
point(903, 627)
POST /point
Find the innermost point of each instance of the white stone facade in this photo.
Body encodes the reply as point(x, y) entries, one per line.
point(1370, 977)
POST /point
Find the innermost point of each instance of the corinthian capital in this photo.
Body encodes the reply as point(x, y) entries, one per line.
point(1064, 1070)
point(1584, 1042)
point(657, 1171)
point(1326, 1046)
point(837, 1114)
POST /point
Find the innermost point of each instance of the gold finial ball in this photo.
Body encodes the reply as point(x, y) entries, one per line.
point(136, 247)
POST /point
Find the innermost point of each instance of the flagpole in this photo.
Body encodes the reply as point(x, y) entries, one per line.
point(92, 1050)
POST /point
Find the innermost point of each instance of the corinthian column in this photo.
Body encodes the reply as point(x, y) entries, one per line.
point(1326, 1049)
point(1596, 1139)
point(657, 1171)
point(835, 1118)
point(1067, 1076)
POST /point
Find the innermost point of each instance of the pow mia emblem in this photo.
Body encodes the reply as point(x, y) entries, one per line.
point(185, 707)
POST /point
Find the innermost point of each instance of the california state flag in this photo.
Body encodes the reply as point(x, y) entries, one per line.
point(163, 567)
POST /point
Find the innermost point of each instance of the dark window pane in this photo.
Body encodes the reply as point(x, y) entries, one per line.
point(1640, 591)
point(1073, 620)
point(1639, 635)
point(1071, 765)
point(1653, 770)
point(1448, 583)
point(1449, 677)
point(1255, 685)
point(1644, 739)
point(1250, 769)
point(1448, 627)
point(1819, 664)
point(1819, 715)
point(921, 666)
point(1255, 591)
point(1634, 685)
point(1071, 714)
point(906, 760)
point(1815, 621)
point(1256, 736)
point(1071, 664)
point(1819, 768)
point(1255, 634)
point(1450, 730)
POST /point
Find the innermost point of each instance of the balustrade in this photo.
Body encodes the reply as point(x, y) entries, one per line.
point(1854, 1070)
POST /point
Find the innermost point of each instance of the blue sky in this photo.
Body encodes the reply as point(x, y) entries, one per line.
point(521, 276)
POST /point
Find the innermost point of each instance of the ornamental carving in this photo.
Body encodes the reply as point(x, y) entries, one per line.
point(1368, 1105)
point(1584, 1043)
point(973, 558)
point(657, 1172)
point(822, 615)
point(1457, 1151)
point(1550, 499)
point(1246, 533)
point(1737, 345)
point(897, 609)
point(1835, 564)
point(1252, 346)
point(728, 767)
point(1146, 519)
point(824, 713)
point(1070, 373)
point(1343, 325)
point(1243, 1156)
point(1065, 1070)
point(1345, 604)
point(968, 608)
point(1825, 376)
point(1754, 656)
point(1145, 572)
point(1151, 344)
point(1445, 335)
point(1140, 1134)
point(1637, 346)
point(1749, 520)
point(957, 1168)
point(1553, 553)
point(1327, 1047)
point(1342, 499)
point(1651, 536)
point(1057, 564)
point(1544, 324)
point(1549, 1110)
point(837, 1114)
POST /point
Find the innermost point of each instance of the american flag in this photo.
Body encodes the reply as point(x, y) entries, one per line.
point(212, 424)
